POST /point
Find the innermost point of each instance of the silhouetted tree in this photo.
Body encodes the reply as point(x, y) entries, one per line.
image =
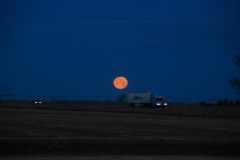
point(235, 82)
point(225, 102)
point(121, 98)
point(219, 103)
point(237, 103)
point(202, 103)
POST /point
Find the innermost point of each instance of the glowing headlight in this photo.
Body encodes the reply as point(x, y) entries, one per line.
point(165, 104)
point(36, 102)
point(158, 104)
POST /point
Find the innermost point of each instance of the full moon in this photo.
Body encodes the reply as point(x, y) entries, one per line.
point(120, 82)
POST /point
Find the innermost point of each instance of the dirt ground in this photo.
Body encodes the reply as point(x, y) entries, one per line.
point(128, 134)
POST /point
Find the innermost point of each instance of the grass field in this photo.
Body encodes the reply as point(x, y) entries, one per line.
point(117, 129)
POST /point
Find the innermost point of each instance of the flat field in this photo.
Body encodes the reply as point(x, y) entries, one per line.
point(116, 129)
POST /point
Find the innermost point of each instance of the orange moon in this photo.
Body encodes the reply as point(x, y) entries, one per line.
point(120, 82)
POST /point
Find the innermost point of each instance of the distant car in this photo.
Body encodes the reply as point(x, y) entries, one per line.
point(36, 102)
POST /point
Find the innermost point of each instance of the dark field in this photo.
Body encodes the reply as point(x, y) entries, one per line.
point(116, 129)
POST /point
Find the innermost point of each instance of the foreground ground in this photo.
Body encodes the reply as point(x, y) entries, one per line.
point(121, 131)
point(120, 158)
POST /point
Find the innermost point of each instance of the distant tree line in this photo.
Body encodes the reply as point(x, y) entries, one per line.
point(225, 102)
point(234, 82)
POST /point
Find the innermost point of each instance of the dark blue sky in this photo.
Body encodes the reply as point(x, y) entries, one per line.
point(175, 48)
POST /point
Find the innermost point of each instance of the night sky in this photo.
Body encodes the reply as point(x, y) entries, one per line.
point(174, 48)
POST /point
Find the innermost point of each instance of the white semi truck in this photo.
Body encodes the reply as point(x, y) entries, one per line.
point(138, 99)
